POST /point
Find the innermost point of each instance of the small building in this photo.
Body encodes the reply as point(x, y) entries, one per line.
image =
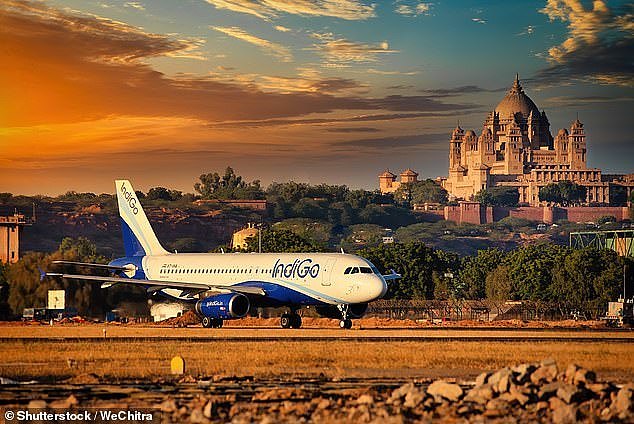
point(239, 239)
point(10, 227)
point(388, 183)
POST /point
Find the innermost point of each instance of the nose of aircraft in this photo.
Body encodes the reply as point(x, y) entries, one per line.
point(380, 287)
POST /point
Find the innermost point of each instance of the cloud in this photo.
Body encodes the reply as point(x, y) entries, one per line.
point(343, 52)
point(465, 89)
point(135, 5)
point(579, 101)
point(599, 47)
point(439, 140)
point(381, 72)
point(479, 20)
point(281, 28)
point(267, 9)
point(353, 129)
point(267, 46)
point(529, 30)
point(413, 9)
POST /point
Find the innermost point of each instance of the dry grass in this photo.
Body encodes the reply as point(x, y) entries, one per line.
point(117, 360)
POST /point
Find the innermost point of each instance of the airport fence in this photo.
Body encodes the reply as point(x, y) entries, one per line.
point(482, 310)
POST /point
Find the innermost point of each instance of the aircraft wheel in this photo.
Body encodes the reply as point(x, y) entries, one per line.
point(345, 323)
point(217, 323)
point(286, 320)
point(296, 321)
point(207, 322)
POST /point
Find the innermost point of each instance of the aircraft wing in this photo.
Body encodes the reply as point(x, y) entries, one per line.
point(156, 285)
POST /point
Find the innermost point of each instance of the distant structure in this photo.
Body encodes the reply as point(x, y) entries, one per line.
point(10, 227)
point(239, 240)
point(516, 149)
point(388, 183)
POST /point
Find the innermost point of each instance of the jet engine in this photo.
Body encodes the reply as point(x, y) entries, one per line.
point(355, 310)
point(223, 306)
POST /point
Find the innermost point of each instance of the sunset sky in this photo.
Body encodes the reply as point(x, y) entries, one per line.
point(333, 91)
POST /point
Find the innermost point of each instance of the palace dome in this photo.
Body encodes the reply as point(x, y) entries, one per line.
point(516, 101)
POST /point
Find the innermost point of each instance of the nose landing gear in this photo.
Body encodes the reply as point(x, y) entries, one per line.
point(345, 322)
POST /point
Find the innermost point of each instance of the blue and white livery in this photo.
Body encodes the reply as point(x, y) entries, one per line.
point(224, 286)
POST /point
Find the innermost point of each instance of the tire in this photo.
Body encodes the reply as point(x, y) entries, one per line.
point(345, 323)
point(285, 320)
point(207, 322)
point(296, 321)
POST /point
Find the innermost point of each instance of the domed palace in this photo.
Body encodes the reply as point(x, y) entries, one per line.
point(516, 149)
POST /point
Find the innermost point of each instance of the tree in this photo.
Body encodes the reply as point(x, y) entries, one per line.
point(228, 186)
point(563, 193)
point(498, 196)
point(424, 191)
point(475, 270)
point(281, 241)
point(415, 261)
point(530, 270)
point(26, 290)
point(498, 284)
point(588, 275)
point(159, 193)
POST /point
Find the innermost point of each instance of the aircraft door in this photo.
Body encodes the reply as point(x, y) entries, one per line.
point(326, 272)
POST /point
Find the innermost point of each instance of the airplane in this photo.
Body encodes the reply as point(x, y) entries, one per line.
point(337, 285)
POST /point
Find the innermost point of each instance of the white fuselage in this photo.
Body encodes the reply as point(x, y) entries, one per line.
point(325, 278)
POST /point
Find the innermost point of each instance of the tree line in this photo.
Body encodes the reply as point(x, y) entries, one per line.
point(544, 272)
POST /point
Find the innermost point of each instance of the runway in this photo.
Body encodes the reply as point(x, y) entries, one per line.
point(101, 334)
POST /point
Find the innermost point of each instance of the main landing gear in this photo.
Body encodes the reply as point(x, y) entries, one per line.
point(291, 320)
point(212, 322)
point(345, 321)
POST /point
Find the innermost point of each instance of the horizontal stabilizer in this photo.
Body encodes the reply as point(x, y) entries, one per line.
point(393, 275)
point(98, 266)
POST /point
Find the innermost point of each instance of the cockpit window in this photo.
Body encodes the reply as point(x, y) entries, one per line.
point(347, 271)
point(355, 270)
point(366, 270)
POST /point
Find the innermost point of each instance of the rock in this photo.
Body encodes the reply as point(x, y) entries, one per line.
point(601, 390)
point(36, 404)
point(584, 376)
point(69, 402)
point(497, 407)
point(482, 379)
point(523, 372)
point(365, 400)
point(413, 398)
point(441, 389)
point(322, 404)
point(564, 414)
point(398, 394)
point(548, 390)
point(197, 416)
point(208, 410)
point(569, 393)
point(168, 405)
point(623, 402)
point(518, 395)
point(495, 378)
point(480, 394)
point(546, 372)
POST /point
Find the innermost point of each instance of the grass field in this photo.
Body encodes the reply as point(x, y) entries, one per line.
point(113, 360)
